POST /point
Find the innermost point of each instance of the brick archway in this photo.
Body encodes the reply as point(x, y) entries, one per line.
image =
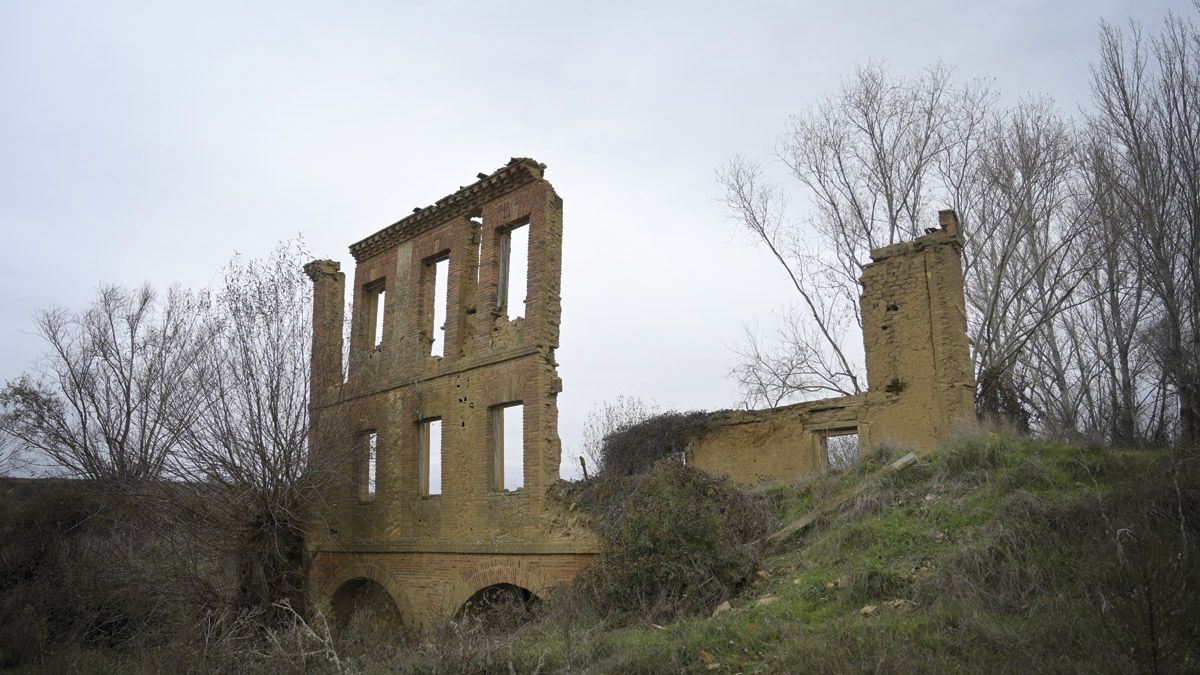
point(361, 569)
point(516, 573)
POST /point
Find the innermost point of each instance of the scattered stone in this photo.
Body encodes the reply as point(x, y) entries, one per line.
point(722, 608)
point(766, 600)
point(868, 610)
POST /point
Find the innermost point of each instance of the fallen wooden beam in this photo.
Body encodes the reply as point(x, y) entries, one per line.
point(841, 498)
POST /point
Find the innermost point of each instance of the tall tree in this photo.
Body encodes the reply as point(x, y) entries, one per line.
point(1023, 262)
point(1146, 95)
point(875, 160)
point(247, 452)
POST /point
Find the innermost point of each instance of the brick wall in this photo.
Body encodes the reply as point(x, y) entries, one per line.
point(405, 537)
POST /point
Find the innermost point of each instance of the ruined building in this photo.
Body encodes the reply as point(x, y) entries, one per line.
point(441, 430)
point(446, 427)
point(919, 375)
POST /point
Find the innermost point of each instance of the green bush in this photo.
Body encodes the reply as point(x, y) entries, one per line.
point(684, 542)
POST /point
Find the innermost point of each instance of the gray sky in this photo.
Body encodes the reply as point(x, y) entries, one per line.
point(150, 141)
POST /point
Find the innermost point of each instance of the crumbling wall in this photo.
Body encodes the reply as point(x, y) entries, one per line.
point(371, 420)
point(920, 382)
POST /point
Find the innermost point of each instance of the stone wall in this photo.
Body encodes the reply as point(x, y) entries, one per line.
point(380, 515)
point(919, 375)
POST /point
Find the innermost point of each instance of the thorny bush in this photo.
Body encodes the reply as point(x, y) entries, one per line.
point(634, 449)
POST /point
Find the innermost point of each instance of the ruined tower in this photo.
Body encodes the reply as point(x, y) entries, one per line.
point(919, 375)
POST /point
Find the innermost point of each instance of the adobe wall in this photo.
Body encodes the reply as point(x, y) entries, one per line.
point(919, 375)
point(417, 543)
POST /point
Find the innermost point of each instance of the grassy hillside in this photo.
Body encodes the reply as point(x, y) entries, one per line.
point(992, 554)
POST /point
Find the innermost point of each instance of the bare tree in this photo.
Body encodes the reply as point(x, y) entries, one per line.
point(10, 455)
point(1146, 94)
point(1119, 396)
point(247, 452)
point(874, 160)
point(786, 363)
point(609, 417)
point(1023, 260)
point(97, 405)
point(869, 158)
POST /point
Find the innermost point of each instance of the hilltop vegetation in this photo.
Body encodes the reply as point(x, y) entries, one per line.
point(995, 553)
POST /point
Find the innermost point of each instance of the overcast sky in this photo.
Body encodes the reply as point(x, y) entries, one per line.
point(150, 141)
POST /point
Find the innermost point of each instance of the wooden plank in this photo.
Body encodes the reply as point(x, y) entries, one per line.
point(841, 498)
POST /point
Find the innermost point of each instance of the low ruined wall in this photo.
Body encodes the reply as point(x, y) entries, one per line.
point(757, 446)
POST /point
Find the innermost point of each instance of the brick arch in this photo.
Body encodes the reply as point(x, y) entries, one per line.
point(361, 569)
point(517, 573)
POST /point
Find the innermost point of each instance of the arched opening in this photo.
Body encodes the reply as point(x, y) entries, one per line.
point(500, 606)
point(365, 600)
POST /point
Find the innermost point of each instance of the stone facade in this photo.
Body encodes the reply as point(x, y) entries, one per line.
point(381, 517)
point(919, 375)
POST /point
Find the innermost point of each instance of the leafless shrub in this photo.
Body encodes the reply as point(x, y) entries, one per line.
point(82, 566)
point(244, 455)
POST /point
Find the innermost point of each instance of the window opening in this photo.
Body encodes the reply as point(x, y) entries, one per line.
point(508, 438)
point(373, 296)
point(841, 448)
point(380, 304)
point(431, 457)
point(477, 222)
point(347, 328)
point(514, 270)
point(441, 286)
point(370, 444)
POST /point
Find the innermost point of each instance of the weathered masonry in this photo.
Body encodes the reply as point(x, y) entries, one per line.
point(442, 429)
point(919, 375)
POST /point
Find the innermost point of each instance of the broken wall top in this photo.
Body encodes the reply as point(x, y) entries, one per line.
point(465, 202)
